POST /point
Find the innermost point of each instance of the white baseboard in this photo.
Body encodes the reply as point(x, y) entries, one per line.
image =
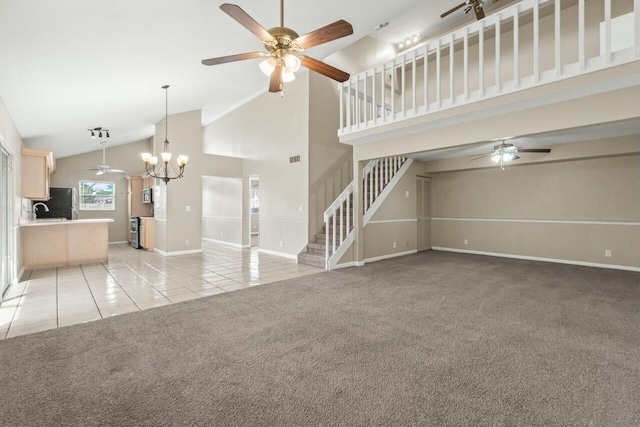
point(163, 253)
point(280, 254)
point(118, 242)
point(380, 258)
point(533, 258)
point(223, 242)
point(16, 279)
point(349, 264)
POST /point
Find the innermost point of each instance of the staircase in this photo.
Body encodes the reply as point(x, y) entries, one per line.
point(379, 177)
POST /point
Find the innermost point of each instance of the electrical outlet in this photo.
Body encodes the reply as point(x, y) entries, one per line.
point(607, 253)
point(394, 244)
point(186, 242)
point(466, 242)
point(282, 244)
point(187, 208)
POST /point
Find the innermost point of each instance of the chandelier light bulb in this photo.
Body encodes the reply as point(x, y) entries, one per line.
point(292, 62)
point(288, 75)
point(166, 157)
point(146, 157)
point(182, 160)
point(153, 160)
point(268, 65)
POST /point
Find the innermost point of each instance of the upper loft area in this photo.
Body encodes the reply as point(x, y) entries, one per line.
point(523, 46)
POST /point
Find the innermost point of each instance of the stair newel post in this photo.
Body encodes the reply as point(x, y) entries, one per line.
point(348, 211)
point(333, 232)
point(326, 242)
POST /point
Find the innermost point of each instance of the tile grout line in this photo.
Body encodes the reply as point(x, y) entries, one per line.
point(18, 305)
point(91, 292)
point(123, 289)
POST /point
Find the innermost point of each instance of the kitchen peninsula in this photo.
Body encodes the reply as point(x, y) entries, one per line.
point(61, 243)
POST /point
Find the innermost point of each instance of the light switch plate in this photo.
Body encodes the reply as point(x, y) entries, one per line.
point(187, 208)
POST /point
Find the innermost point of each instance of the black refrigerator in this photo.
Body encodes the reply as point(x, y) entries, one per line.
point(61, 204)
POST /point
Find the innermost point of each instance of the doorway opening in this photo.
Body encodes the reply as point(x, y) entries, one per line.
point(254, 200)
point(7, 257)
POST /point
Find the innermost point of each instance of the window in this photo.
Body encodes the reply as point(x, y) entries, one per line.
point(97, 196)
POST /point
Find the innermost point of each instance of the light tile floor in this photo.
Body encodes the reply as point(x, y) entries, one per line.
point(134, 280)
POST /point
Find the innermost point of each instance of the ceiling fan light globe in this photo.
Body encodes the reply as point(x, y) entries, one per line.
point(292, 62)
point(288, 75)
point(508, 156)
point(496, 157)
point(268, 65)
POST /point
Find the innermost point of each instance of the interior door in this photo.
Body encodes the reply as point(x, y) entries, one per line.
point(423, 212)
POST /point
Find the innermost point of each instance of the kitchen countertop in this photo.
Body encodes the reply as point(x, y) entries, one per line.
point(46, 223)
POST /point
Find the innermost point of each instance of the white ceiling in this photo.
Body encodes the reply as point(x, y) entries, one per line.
point(70, 65)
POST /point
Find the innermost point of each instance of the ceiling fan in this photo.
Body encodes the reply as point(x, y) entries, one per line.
point(282, 45)
point(104, 167)
point(505, 152)
point(476, 5)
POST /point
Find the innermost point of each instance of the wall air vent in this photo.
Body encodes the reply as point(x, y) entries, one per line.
point(294, 159)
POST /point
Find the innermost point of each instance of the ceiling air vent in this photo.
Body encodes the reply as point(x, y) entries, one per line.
point(294, 159)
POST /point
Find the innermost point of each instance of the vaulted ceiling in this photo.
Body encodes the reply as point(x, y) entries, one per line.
point(70, 65)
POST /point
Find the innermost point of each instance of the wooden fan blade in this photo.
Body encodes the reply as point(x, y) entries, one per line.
point(275, 84)
point(534, 150)
point(231, 58)
point(450, 11)
point(479, 12)
point(324, 69)
point(246, 21)
point(480, 156)
point(325, 34)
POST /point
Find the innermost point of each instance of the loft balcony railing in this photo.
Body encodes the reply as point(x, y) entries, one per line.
point(530, 43)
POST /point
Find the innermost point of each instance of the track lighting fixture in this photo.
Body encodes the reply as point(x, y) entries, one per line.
point(99, 130)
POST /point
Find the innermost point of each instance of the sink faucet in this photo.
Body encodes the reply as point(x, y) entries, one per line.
point(35, 209)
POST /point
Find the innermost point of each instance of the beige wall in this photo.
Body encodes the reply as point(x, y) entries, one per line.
point(573, 210)
point(179, 230)
point(10, 138)
point(213, 165)
point(265, 132)
point(222, 209)
point(330, 163)
point(70, 170)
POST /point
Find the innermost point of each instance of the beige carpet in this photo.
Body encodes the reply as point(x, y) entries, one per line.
point(429, 339)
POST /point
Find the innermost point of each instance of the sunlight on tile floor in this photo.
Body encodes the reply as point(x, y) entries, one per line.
point(134, 280)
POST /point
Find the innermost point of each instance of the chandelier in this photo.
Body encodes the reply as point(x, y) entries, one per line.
point(165, 169)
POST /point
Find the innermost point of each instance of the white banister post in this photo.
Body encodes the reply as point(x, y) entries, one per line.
point(357, 101)
point(481, 58)
point(452, 54)
point(358, 245)
point(581, 46)
point(349, 213)
point(404, 86)
point(393, 90)
point(333, 231)
point(558, 38)
point(341, 221)
point(326, 241)
point(497, 54)
point(465, 54)
point(349, 104)
point(426, 78)
point(366, 100)
point(438, 75)
point(536, 40)
point(607, 32)
point(383, 92)
point(341, 93)
point(373, 96)
point(516, 47)
point(413, 78)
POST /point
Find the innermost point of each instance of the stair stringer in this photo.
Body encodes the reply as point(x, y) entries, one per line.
point(332, 261)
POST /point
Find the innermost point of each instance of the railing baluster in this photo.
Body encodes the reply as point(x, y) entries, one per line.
point(516, 47)
point(481, 58)
point(438, 81)
point(404, 86)
point(452, 94)
point(581, 47)
point(341, 221)
point(557, 34)
point(334, 231)
point(465, 54)
point(383, 93)
point(497, 55)
point(326, 241)
point(366, 99)
point(607, 31)
point(348, 212)
point(393, 90)
point(349, 104)
point(341, 96)
point(536, 40)
point(373, 96)
point(358, 101)
point(413, 78)
point(426, 78)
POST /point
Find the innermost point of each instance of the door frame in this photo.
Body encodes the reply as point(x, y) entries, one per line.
point(7, 233)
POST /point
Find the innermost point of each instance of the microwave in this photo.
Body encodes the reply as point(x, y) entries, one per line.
point(147, 195)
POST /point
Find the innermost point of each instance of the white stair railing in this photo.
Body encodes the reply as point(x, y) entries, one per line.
point(338, 217)
point(473, 63)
